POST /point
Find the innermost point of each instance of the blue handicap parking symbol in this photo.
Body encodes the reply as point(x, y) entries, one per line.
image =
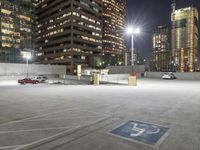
point(140, 131)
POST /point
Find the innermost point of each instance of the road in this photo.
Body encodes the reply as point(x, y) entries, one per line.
point(80, 117)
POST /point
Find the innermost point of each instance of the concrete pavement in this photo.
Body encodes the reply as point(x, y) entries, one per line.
point(80, 117)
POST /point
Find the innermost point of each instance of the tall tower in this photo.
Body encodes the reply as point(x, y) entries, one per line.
point(160, 60)
point(69, 32)
point(16, 29)
point(185, 39)
point(113, 25)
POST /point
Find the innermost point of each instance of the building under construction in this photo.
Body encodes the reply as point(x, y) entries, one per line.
point(184, 39)
point(16, 29)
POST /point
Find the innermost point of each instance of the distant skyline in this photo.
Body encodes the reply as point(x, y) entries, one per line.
point(147, 14)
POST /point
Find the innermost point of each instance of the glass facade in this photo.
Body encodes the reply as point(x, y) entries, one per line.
point(16, 29)
point(160, 60)
point(113, 28)
point(69, 32)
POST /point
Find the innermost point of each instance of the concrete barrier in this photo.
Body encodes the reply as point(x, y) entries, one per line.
point(180, 76)
point(16, 71)
point(140, 69)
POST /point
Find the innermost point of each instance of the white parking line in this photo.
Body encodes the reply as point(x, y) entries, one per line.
point(62, 118)
point(22, 120)
point(40, 129)
point(9, 147)
point(63, 133)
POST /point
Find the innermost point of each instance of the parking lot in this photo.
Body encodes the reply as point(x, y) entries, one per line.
point(84, 117)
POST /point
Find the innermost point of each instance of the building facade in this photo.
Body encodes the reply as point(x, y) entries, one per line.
point(16, 29)
point(137, 59)
point(160, 60)
point(184, 39)
point(69, 32)
point(113, 27)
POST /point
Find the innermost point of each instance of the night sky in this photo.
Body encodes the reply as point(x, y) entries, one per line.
point(147, 14)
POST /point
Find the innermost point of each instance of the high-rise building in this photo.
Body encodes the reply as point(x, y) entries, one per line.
point(16, 29)
point(160, 60)
point(137, 59)
point(69, 32)
point(113, 25)
point(184, 38)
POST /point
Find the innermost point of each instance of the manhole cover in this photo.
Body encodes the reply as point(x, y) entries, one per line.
point(140, 131)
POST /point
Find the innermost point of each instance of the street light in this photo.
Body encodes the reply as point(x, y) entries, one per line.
point(27, 56)
point(132, 31)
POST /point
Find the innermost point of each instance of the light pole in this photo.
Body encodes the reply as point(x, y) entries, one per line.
point(132, 31)
point(27, 56)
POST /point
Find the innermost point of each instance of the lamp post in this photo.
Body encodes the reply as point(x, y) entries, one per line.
point(132, 31)
point(27, 56)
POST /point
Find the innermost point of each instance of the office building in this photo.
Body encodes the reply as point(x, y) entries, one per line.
point(160, 60)
point(137, 59)
point(16, 30)
point(113, 27)
point(69, 32)
point(184, 38)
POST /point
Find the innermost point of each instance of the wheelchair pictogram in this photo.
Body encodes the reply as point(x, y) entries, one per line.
point(139, 129)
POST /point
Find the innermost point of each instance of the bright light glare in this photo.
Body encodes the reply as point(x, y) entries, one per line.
point(27, 56)
point(137, 31)
point(131, 30)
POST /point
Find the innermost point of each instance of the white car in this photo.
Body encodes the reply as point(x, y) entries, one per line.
point(168, 75)
point(41, 78)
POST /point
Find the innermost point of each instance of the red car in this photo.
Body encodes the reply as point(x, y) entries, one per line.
point(28, 80)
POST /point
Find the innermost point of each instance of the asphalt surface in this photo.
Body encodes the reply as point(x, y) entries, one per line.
point(81, 117)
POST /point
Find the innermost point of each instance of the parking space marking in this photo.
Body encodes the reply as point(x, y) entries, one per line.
point(91, 116)
point(64, 132)
point(35, 120)
point(33, 117)
point(41, 129)
point(11, 147)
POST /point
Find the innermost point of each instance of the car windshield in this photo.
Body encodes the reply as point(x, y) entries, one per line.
point(166, 73)
point(41, 75)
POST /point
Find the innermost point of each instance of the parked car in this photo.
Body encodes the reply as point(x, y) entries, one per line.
point(41, 78)
point(28, 80)
point(168, 75)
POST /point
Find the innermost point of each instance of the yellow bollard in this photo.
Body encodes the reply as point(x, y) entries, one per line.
point(96, 79)
point(132, 81)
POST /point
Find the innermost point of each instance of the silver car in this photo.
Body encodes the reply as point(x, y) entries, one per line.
point(41, 78)
point(168, 75)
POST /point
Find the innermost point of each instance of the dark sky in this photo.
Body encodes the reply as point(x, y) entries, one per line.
point(147, 14)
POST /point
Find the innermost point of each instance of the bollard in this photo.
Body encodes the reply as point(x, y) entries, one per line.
point(96, 79)
point(91, 79)
point(132, 81)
